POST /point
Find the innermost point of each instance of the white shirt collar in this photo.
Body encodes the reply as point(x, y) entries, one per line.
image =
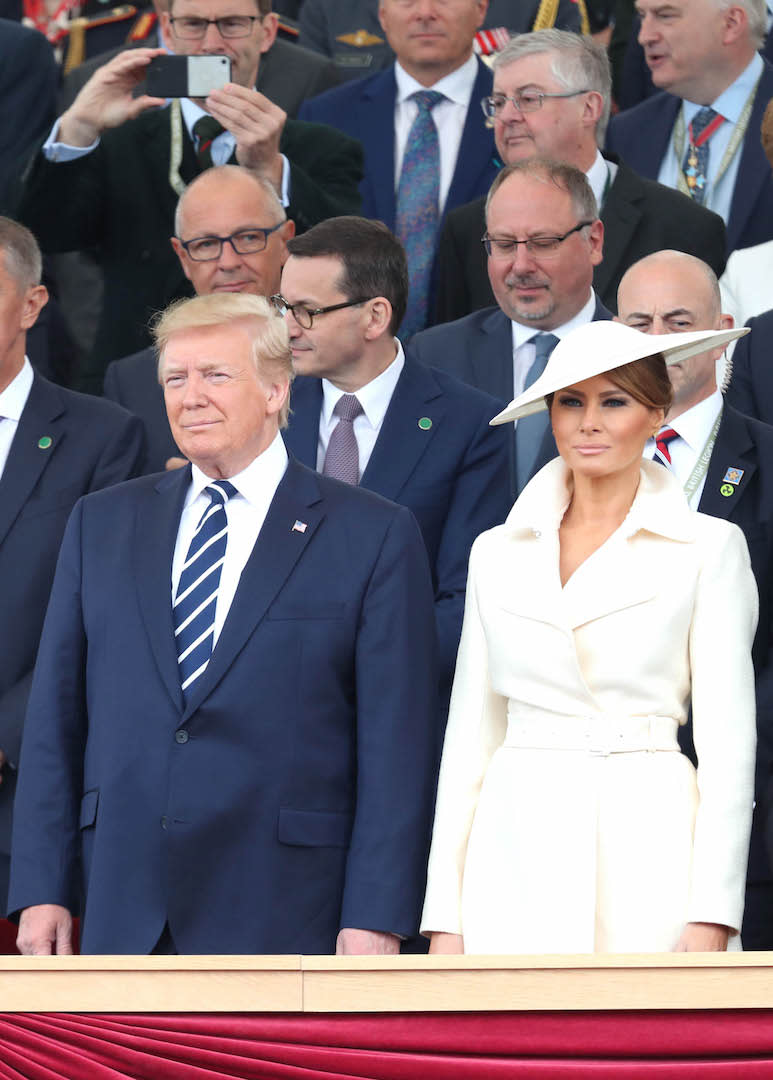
point(694, 425)
point(374, 396)
point(522, 334)
point(193, 112)
point(599, 175)
point(262, 475)
point(457, 86)
point(14, 397)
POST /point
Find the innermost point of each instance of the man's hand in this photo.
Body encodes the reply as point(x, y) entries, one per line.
point(106, 100)
point(257, 125)
point(703, 937)
point(366, 943)
point(45, 930)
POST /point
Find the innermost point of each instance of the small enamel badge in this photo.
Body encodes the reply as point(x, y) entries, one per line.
point(727, 490)
point(733, 476)
point(425, 423)
point(299, 526)
point(45, 442)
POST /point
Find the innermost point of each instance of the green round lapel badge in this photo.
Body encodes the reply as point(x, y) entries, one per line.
point(46, 442)
point(727, 490)
point(425, 423)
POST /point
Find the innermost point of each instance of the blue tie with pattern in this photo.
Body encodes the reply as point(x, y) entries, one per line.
point(417, 207)
point(529, 430)
point(196, 598)
point(696, 158)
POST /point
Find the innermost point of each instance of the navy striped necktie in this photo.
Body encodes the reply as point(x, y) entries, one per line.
point(195, 602)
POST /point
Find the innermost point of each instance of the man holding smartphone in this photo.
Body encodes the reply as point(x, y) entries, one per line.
point(111, 171)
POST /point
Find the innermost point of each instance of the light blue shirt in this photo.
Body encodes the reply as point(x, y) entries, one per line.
point(730, 103)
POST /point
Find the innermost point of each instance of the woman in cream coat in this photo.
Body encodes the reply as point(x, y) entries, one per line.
point(567, 820)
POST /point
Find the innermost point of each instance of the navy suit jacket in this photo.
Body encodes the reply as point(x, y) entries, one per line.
point(365, 109)
point(133, 383)
point(292, 794)
point(453, 475)
point(745, 443)
point(93, 444)
point(751, 386)
point(641, 136)
point(478, 349)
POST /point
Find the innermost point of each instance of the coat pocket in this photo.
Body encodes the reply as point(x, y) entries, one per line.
point(89, 804)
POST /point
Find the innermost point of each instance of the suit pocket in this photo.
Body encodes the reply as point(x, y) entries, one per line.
point(89, 803)
point(333, 610)
point(314, 828)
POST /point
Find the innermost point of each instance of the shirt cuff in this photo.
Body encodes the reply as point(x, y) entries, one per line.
point(56, 151)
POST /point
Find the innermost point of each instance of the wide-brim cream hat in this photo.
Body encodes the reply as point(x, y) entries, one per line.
point(602, 346)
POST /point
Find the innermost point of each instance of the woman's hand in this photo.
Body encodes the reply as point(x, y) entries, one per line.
point(445, 944)
point(701, 937)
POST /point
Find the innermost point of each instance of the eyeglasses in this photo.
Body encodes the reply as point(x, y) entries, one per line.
point(229, 26)
point(502, 247)
point(244, 242)
point(305, 316)
point(525, 101)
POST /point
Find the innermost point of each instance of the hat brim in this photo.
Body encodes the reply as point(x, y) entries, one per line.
point(602, 346)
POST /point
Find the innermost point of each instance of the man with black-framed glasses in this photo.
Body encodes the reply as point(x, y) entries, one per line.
point(542, 241)
point(365, 413)
point(231, 234)
point(112, 168)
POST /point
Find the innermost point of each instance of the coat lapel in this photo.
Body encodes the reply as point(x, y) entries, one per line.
point(621, 216)
point(405, 433)
point(491, 356)
point(753, 167)
point(475, 164)
point(376, 124)
point(156, 525)
point(301, 436)
point(277, 550)
point(41, 420)
point(733, 450)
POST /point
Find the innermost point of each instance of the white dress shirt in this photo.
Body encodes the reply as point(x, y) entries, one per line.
point(12, 402)
point(694, 427)
point(374, 398)
point(222, 147)
point(450, 117)
point(729, 104)
point(246, 511)
point(524, 349)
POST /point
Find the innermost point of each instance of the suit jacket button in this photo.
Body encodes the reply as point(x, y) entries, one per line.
point(181, 736)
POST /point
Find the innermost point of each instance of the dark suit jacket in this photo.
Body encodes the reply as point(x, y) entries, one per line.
point(93, 444)
point(365, 110)
point(641, 136)
point(639, 216)
point(453, 476)
point(478, 349)
point(747, 444)
point(751, 386)
point(292, 795)
point(29, 78)
point(288, 74)
point(118, 199)
point(133, 383)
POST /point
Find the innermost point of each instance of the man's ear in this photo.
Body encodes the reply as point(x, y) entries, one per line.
point(181, 254)
point(35, 299)
point(270, 28)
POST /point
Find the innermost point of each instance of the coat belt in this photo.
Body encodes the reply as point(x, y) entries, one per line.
point(601, 734)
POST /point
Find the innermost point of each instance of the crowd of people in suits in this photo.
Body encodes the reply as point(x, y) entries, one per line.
point(427, 197)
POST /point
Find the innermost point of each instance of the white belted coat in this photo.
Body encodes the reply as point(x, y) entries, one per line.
point(567, 820)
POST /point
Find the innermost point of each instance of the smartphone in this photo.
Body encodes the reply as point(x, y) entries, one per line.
point(186, 76)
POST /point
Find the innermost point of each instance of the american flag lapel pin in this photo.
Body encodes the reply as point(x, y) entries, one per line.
point(299, 526)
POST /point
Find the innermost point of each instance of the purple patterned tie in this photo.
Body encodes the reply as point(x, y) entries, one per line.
point(342, 460)
point(417, 207)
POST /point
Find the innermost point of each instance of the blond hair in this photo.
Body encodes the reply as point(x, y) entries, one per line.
point(269, 339)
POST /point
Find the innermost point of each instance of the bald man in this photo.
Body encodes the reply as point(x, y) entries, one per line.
point(231, 235)
point(725, 461)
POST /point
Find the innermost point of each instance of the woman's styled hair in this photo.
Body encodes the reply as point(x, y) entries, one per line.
point(646, 380)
